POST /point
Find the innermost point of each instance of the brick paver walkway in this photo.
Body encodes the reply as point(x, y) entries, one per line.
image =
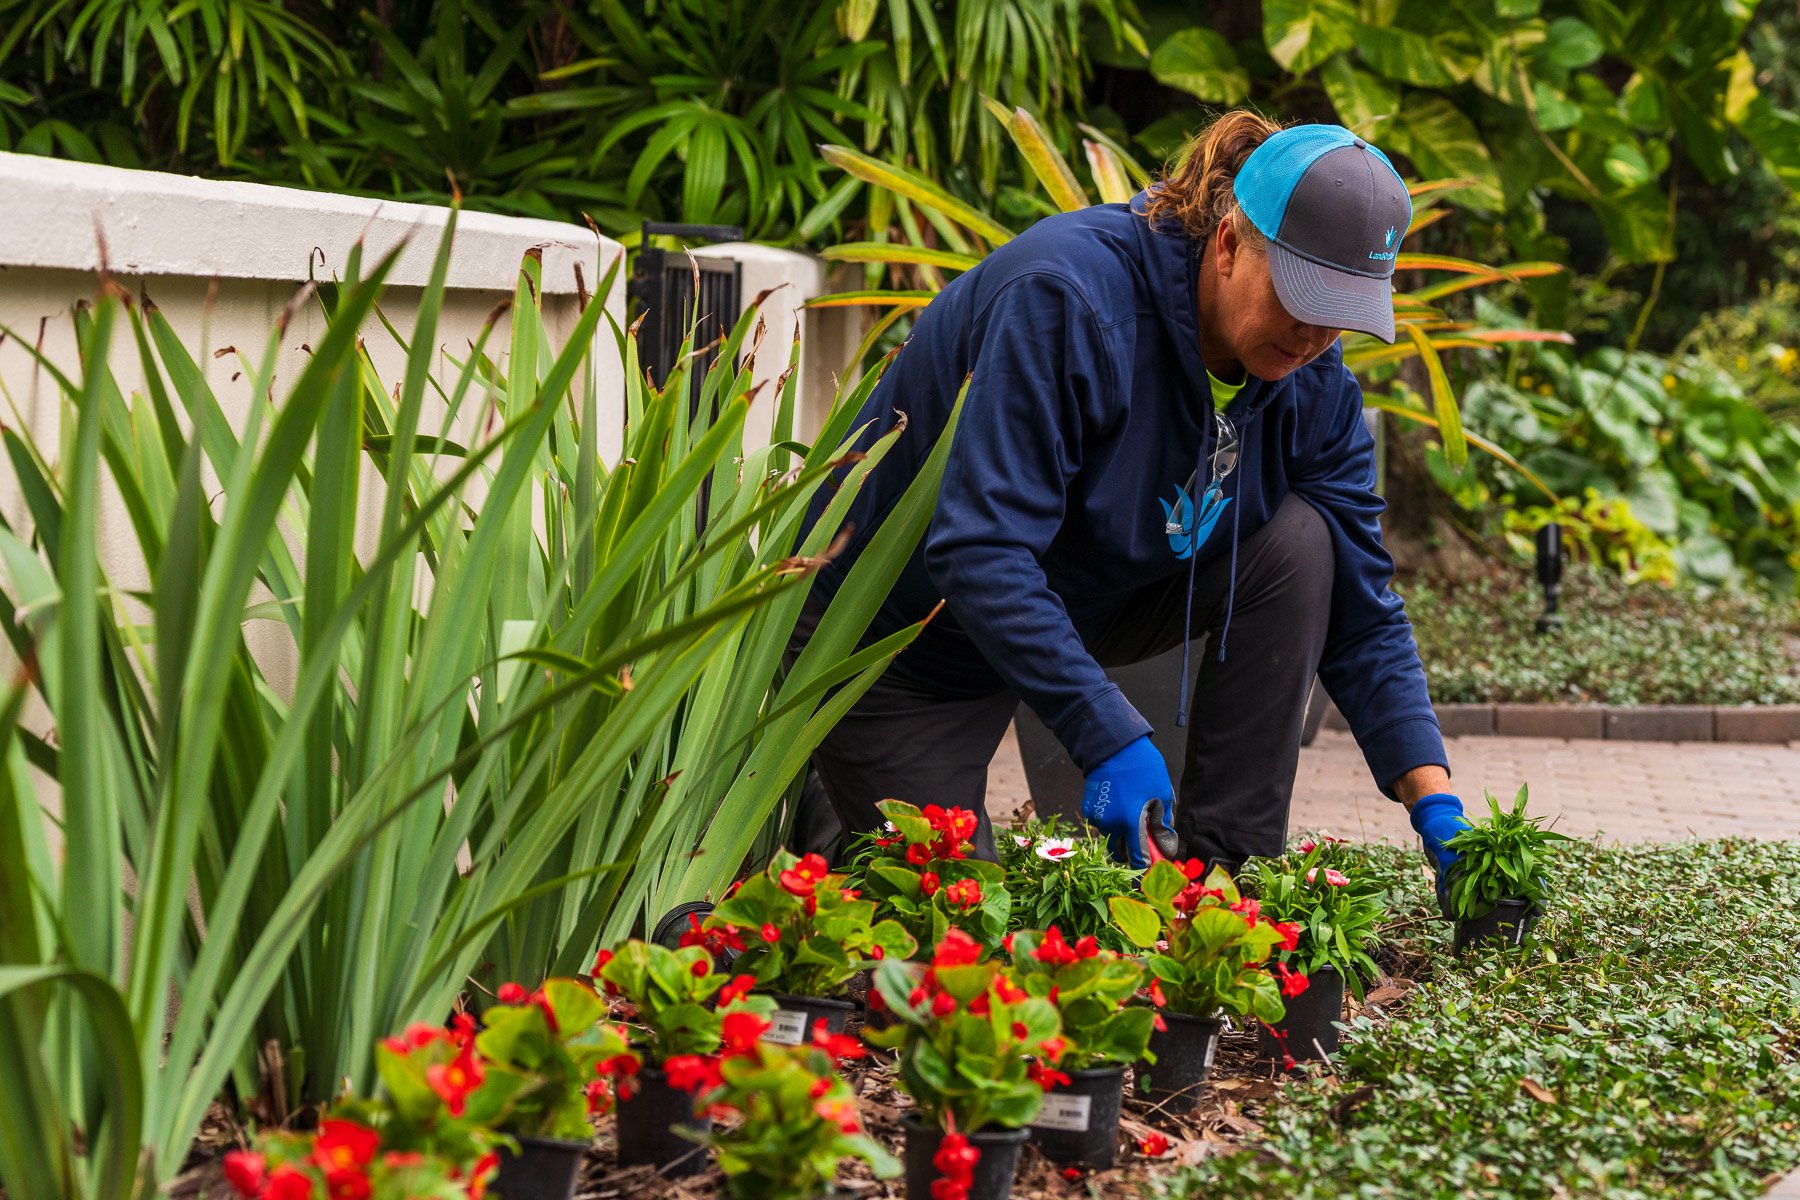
point(1618, 791)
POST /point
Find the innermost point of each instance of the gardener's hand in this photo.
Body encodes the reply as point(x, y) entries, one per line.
point(1130, 799)
point(1438, 818)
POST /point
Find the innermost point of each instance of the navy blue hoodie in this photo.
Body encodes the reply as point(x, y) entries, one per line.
point(1088, 406)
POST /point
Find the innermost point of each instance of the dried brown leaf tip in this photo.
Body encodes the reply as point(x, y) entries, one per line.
point(802, 564)
point(625, 678)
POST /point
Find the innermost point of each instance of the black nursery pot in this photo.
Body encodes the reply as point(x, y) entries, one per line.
point(1184, 1054)
point(993, 1173)
point(543, 1169)
point(1080, 1121)
point(795, 1017)
point(1509, 924)
point(1307, 1028)
point(648, 1123)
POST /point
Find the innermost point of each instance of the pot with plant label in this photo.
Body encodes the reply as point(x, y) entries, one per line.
point(1499, 884)
point(1213, 947)
point(1089, 986)
point(970, 1122)
point(1324, 893)
point(802, 936)
point(681, 1005)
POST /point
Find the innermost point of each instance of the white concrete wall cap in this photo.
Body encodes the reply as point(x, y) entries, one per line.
point(162, 224)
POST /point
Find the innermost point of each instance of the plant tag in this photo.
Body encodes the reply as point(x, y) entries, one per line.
point(787, 1027)
point(1212, 1044)
point(1064, 1111)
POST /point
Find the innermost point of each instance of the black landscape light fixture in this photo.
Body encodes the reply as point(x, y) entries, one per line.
point(1549, 573)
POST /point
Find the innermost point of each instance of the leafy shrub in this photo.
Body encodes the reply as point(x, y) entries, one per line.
point(1618, 644)
point(1209, 944)
point(793, 1118)
point(967, 1037)
point(1065, 881)
point(803, 932)
point(920, 875)
point(1089, 985)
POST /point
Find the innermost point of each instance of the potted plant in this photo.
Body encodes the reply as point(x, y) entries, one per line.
point(1062, 880)
point(344, 1157)
point(920, 874)
point(976, 1054)
point(1089, 986)
point(1336, 908)
point(808, 935)
point(678, 1004)
point(790, 1118)
point(1499, 885)
point(524, 1086)
point(1209, 956)
point(575, 1063)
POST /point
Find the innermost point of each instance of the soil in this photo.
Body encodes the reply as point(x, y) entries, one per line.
point(1240, 1090)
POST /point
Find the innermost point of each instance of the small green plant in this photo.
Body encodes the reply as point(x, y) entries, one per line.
point(1063, 880)
point(800, 931)
point(675, 996)
point(1089, 985)
point(1209, 945)
point(1335, 905)
point(976, 1049)
point(1505, 856)
point(794, 1118)
point(919, 873)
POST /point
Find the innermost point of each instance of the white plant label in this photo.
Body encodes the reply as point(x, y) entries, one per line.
point(1212, 1044)
point(787, 1027)
point(1065, 1112)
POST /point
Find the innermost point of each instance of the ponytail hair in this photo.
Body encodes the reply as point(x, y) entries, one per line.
point(1197, 193)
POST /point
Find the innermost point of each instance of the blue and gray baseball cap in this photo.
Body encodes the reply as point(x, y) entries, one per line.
point(1333, 210)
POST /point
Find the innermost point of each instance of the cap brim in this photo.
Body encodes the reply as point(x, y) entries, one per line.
point(1331, 299)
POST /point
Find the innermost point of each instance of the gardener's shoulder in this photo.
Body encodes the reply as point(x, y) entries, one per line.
point(1084, 258)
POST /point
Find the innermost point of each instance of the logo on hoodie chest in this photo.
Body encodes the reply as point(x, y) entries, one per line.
point(1187, 530)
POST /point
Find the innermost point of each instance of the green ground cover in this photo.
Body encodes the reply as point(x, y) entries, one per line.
point(1619, 644)
point(1643, 1046)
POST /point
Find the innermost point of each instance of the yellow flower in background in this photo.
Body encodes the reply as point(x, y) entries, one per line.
point(1669, 382)
point(1544, 389)
point(1743, 362)
point(1786, 357)
point(1524, 381)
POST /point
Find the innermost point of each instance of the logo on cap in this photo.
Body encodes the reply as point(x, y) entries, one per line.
point(1388, 252)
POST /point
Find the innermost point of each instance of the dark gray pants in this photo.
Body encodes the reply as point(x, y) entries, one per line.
point(1244, 721)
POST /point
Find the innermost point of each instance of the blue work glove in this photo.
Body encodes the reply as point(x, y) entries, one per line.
point(1129, 798)
point(1438, 818)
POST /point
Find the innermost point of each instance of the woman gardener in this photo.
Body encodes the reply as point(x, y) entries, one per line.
point(1159, 440)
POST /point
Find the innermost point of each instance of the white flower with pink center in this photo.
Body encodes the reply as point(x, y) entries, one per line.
point(1056, 849)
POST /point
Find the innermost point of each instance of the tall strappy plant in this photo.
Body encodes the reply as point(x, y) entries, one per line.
point(507, 728)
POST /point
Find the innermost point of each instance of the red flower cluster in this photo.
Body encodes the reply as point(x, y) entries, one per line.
point(1153, 1145)
point(454, 1080)
point(954, 827)
point(841, 1113)
point(805, 876)
point(1056, 951)
point(1292, 982)
point(341, 1150)
point(955, 1161)
point(1047, 1077)
point(716, 941)
point(1196, 892)
point(964, 893)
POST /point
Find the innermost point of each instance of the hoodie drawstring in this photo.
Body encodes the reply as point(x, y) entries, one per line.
point(1187, 627)
point(1187, 617)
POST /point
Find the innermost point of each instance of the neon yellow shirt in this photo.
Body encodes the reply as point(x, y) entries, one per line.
point(1224, 393)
